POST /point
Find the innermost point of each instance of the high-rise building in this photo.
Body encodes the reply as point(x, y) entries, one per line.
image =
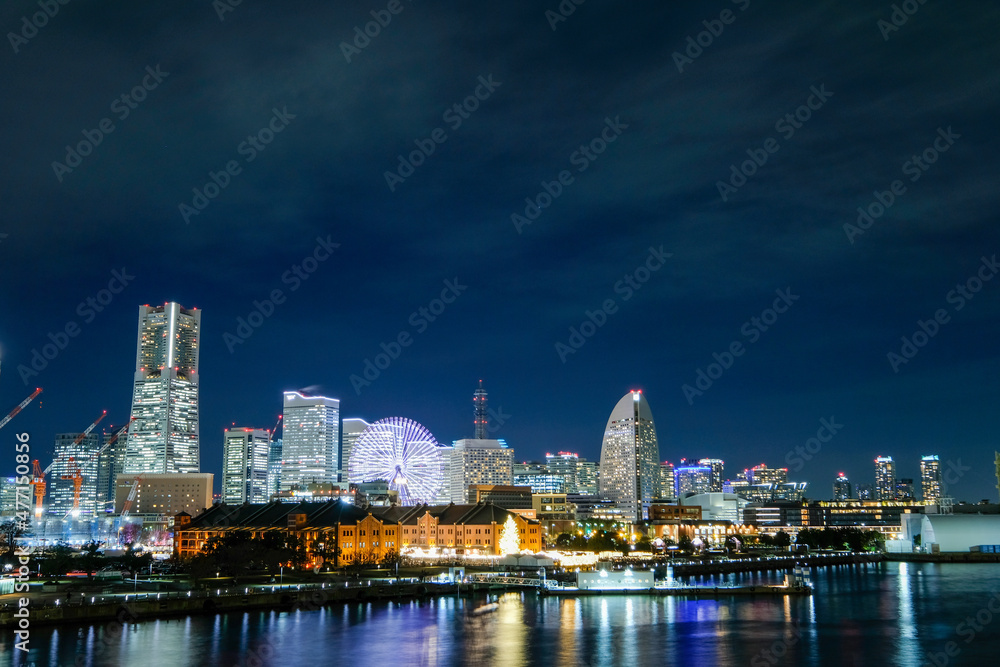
point(539, 477)
point(692, 479)
point(73, 458)
point(8, 496)
point(350, 430)
point(630, 457)
point(930, 478)
point(717, 473)
point(865, 492)
point(479, 405)
point(310, 444)
point(244, 466)
point(478, 461)
point(110, 464)
point(904, 489)
point(761, 474)
point(566, 465)
point(885, 478)
point(588, 474)
point(164, 438)
point(667, 489)
point(273, 466)
point(841, 488)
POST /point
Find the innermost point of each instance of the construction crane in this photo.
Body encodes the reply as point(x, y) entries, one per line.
point(38, 477)
point(77, 484)
point(110, 441)
point(127, 507)
point(21, 406)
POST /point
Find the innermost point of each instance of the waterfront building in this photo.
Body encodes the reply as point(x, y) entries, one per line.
point(462, 530)
point(718, 506)
point(717, 474)
point(885, 478)
point(630, 454)
point(478, 461)
point(930, 478)
point(245, 465)
point(310, 440)
point(842, 488)
point(164, 436)
point(273, 466)
point(538, 477)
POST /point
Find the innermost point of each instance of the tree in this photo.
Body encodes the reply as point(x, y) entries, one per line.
point(133, 561)
point(91, 558)
point(781, 539)
point(564, 540)
point(510, 539)
point(57, 559)
point(9, 532)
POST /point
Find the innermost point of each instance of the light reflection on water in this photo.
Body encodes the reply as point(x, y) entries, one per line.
point(891, 614)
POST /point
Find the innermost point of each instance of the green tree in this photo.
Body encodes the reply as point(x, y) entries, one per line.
point(57, 559)
point(91, 558)
point(781, 539)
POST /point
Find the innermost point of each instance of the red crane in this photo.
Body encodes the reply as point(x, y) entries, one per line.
point(21, 406)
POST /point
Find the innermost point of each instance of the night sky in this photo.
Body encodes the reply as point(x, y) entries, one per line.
point(685, 189)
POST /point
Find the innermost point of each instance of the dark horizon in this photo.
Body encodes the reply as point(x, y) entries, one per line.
point(792, 221)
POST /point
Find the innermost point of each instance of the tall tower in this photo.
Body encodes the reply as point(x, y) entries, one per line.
point(717, 474)
point(310, 442)
point(630, 455)
point(244, 466)
point(479, 402)
point(164, 438)
point(841, 488)
point(885, 478)
point(350, 430)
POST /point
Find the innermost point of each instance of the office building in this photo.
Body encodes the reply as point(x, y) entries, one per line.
point(630, 456)
point(479, 402)
point(350, 430)
point(885, 478)
point(539, 478)
point(717, 467)
point(761, 474)
point(507, 497)
point(244, 465)
point(110, 464)
point(74, 467)
point(904, 489)
point(273, 466)
point(667, 488)
point(478, 461)
point(164, 436)
point(841, 488)
point(865, 492)
point(310, 444)
point(930, 478)
point(8, 497)
point(566, 465)
point(692, 479)
point(587, 477)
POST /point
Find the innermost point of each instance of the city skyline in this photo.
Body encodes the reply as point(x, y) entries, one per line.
point(789, 223)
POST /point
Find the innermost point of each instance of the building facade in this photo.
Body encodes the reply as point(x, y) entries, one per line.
point(71, 459)
point(350, 430)
point(310, 440)
point(566, 465)
point(717, 474)
point(842, 488)
point(930, 478)
point(165, 495)
point(474, 461)
point(885, 478)
point(692, 479)
point(245, 465)
point(164, 436)
point(630, 456)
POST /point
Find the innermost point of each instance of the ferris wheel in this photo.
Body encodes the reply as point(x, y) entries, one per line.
point(404, 454)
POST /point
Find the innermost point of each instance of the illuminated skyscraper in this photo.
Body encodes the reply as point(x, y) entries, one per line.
point(841, 488)
point(930, 478)
point(273, 466)
point(310, 443)
point(587, 475)
point(244, 466)
point(885, 478)
point(717, 474)
point(350, 430)
point(630, 455)
point(475, 461)
point(83, 457)
point(566, 465)
point(692, 479)
point(667, 488)
point(761, 474)
point(164, 438)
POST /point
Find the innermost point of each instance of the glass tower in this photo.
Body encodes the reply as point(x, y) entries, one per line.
point(244, 466)
point(930, 478)
point(164, 438)
point(885, 478)
point(310, 443)
point(630, 455)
